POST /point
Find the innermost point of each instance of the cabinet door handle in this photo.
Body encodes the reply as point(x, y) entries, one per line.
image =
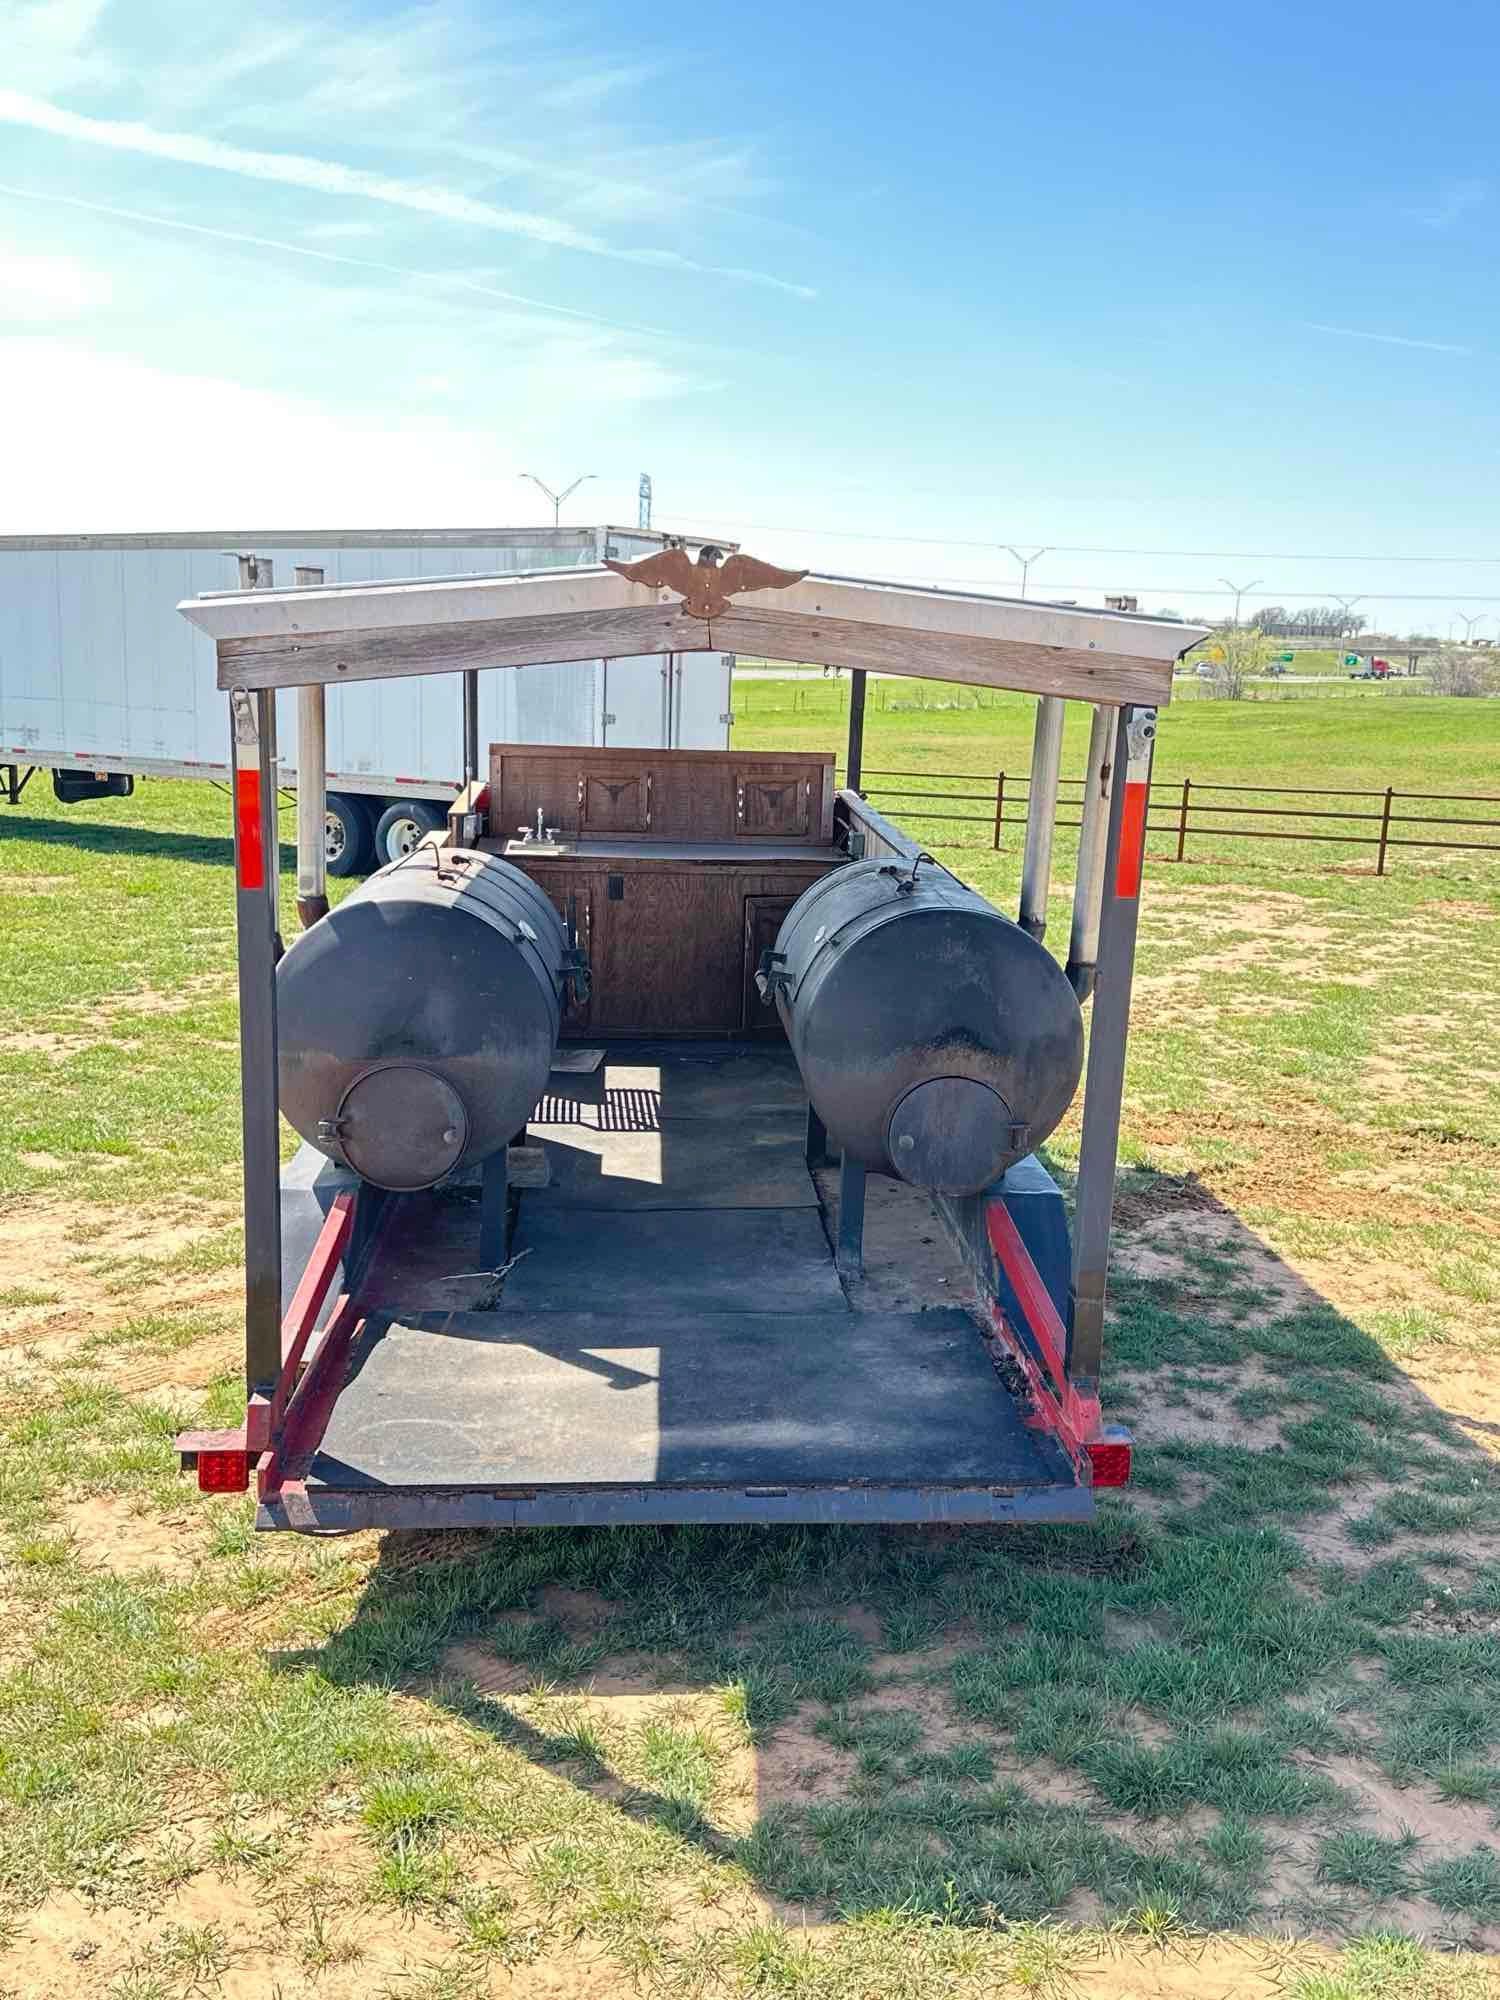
point(648, 798)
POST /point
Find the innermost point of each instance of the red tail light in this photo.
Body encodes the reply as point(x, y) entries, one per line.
point(229, 1471)
point(1110, 1458)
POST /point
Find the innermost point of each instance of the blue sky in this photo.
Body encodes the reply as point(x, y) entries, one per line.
point(1109, 278)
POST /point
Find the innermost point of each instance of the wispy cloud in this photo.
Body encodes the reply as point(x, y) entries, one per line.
point(1452, 202)
point(1386, 339)
point(321, 231)
point(334, 178)
point(437, 281)
point(591, 87)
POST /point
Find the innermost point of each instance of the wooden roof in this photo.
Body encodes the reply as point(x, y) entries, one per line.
point(376, 631)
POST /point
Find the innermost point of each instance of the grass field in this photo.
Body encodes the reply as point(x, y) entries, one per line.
point(1241, 1737)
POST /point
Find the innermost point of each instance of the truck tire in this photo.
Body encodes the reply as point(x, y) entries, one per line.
point(402, 825)
point(70, 788)
point(348, 836)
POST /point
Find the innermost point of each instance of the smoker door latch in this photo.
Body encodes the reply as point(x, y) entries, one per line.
point(576, 974)
point(771, 975)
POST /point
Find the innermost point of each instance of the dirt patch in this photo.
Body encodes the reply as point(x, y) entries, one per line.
point(71, 1255)
point(580, 1612)
point(109, 1534)
point(1160, 1246)
point(68, 1948)
point(44, 1042)
point(1392, 1810)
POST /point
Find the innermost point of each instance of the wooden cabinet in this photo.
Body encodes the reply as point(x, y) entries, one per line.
point(673, 946)
point(673, 795)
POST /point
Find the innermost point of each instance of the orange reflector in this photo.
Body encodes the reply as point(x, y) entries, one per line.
point(1132, 841)
point(1110, 1458)
point(228, 1471)
point(249, 848)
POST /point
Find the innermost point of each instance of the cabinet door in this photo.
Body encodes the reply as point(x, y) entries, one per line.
point(771, 805)
point(764, 916)
point(617, 801)
point(669, 957)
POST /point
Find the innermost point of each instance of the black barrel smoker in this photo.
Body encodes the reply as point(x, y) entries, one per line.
point(663, 1314)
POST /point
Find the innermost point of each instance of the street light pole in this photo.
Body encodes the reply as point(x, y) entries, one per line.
point(557, 499)
point(1239, 590)
point(1026, 562)
point(1344, 604)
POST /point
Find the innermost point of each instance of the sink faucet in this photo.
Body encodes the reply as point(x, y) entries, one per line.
point(541, 825)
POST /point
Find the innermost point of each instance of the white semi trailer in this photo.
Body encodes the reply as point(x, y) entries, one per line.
point(102, 682)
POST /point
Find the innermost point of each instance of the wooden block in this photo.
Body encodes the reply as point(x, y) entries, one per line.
point(526, 1166)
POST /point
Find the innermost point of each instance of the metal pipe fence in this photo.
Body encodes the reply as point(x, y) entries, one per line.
point(1178, 809)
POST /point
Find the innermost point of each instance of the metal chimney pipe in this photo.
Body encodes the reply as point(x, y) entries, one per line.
point(1041, 814)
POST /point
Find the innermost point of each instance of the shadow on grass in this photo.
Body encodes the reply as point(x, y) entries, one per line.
point(155, 843)
point(1174, 1674)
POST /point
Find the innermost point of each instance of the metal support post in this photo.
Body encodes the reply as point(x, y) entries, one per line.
point(816, 1152)
point(854, 762)
point(1104, 1084)
point(849, 1257)
point(471, 724)
point(494, 1211)
point(259, 573)
point(1385, 831)
point(1088, 887)
point(1041, 814)
point(312, 785)
point(254, 844)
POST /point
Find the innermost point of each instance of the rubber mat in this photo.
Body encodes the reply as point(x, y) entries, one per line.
point(735, 1399)
point(770, 1260)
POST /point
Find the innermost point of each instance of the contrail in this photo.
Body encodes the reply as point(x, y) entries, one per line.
point(1386, 339)
point(331, 177)
point(437, 279)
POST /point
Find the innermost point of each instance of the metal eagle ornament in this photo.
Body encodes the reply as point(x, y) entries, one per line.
point(707, 585)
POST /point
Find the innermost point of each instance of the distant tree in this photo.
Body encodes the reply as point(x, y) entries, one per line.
point(1464, 673)
point(1237, 653)
point(1272, 618)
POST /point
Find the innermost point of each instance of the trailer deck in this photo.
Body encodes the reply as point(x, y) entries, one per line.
point(660, 1311)
point(670, 1340)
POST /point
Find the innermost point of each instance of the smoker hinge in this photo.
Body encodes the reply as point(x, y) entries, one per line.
point(575, 971)
point(727, 717)
point(608, 720)
point(771, 975)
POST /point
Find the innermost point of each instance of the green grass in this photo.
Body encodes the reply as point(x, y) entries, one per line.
point(1127, 1719)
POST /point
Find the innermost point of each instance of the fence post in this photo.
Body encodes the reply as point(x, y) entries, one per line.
point(1385, 831)
point(999, 807)
point(1187, 786)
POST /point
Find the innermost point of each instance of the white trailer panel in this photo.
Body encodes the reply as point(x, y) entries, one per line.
point(97, 671)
